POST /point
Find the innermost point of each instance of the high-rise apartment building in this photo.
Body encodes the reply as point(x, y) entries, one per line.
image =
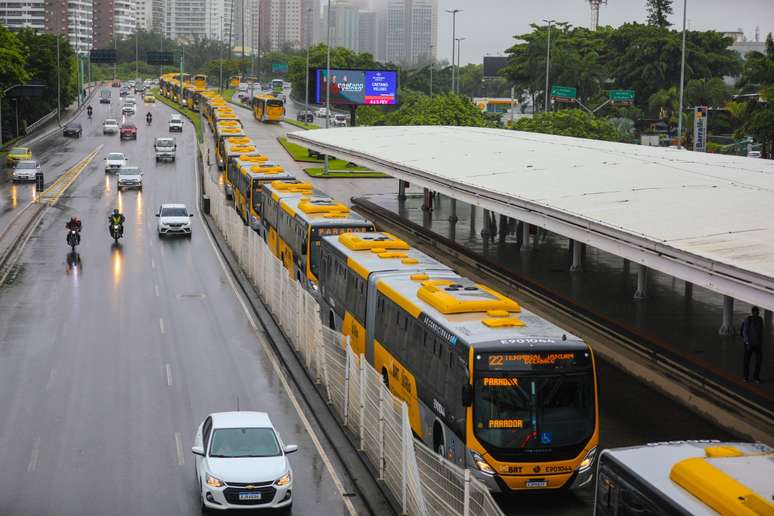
point(73, 20)
point(280, 24)
point(187, 20)
point(113, 20)
point(246, 14)
point(411, 31)
point(19, 14)
point(310, 22)
point(368, 31)
point(344, 25)
point(144, 14)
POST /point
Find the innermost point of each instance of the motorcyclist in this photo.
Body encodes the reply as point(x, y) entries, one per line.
point(149, 118)
point(116, 218)
point(74, 224)
point(89, 110)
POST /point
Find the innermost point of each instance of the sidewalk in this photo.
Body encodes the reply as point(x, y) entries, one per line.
point(683, 319)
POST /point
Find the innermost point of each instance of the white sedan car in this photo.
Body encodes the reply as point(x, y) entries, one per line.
point(241, 462)
point(114, 161)
point(128, 109)
point(174, 219)
point(110, 126)
point(25, 170)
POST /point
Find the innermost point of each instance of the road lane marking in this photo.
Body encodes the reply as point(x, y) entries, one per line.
point(63, 182)
point(51, 376)
point(153, 263)
point(156, 289)
point(161, 325)
point(34, 456)
point(179, 446)
point(169, 375)
point(278, 370)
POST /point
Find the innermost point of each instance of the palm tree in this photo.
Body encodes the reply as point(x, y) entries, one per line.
point(706, 92)
point(664, 104)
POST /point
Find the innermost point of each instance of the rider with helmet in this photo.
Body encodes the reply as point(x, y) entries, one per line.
point(89, 110)
point(149, 118)
point(116, 218)
point(74, 224)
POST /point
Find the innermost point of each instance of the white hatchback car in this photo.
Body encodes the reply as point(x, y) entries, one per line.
point(174, 219)
point(241, 462)
point(25, 170)
point(110, 126)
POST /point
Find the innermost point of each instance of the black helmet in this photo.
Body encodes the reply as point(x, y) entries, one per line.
point(115, 211)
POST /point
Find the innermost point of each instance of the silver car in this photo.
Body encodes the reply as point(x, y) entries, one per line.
point(129, 177)
point(110, 126)
point(25, 170)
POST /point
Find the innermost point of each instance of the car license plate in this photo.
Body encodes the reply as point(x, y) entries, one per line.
point(536, 483)
point(249, 496)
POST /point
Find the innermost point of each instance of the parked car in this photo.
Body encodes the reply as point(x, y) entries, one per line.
point(129, 177)
point(176, 123)
point(305, 116)
point(128, 131)
point(114, 161)
point(339, 121)
point(18, 154)
point(128, 109)
point(72, 129)
point(174, 219)
point(165, 148)
point(241, 462)
point(25, 170)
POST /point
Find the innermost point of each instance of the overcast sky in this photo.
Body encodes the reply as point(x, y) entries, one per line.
point(489, 25)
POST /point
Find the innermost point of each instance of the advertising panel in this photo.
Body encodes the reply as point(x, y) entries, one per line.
point(700, 129)
point(356, 87)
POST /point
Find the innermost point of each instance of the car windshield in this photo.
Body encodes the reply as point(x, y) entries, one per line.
point(24, 165)
point(244, 442)
point(515, 412)
point(18, 150)
point(115, 155)
point(174, 212)
point(111, 122)
point(128, 171)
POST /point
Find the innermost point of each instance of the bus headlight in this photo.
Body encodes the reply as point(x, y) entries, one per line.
point(482, 465)
point(588, 460)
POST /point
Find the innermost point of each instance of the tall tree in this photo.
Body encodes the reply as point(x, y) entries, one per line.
point(13, 57)
point(658, 10)
point(711, 92)
point(571, 122)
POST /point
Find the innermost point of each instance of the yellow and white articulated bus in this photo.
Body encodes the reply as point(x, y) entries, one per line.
point(267, 108)
point(248, 175)
point(234, 148)
point(682, 478)
point(222, 132)
point(272, 194)
point(489, 385)
point(303, 221)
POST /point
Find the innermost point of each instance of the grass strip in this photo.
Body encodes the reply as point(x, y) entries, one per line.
point(192, 116)
point(302, 125)
point(297, 152)
point(345, 173)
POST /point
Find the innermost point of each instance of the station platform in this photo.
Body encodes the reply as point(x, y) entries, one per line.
point(668, 313)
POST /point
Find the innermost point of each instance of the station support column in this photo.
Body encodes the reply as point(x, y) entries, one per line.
point(453, 217)
point(577, 254)
point(727, 326)
point(401, 190)
point(524, 235)
point(485, 228)
point(427, 200)
point(642, 283)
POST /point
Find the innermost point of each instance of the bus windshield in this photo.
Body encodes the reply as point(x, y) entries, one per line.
point(527, 407)
point(319, 232)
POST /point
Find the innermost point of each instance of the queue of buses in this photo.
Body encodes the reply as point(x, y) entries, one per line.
point(489, 385)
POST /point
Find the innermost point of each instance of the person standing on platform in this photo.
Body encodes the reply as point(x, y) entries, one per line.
point(752, 335)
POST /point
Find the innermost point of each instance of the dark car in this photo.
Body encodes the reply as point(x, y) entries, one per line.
point(73, 129)
point(124, 91)
point(305, 116)
point(128, 132)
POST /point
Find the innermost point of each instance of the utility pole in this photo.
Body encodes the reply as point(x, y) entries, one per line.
point(306, 90)
point(58, 84)
point(136, 53)
point(220, 87)
point(548, 65)
point(432, 62)
point(459, 40)
point(243, 32)
point(682, 83)
point(453, 12)
point(328, 83)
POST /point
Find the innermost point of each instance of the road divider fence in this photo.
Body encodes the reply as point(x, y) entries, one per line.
point(420, 481)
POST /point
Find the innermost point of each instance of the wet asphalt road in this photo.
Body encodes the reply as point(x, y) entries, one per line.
point(109, 360)
point(630, 412)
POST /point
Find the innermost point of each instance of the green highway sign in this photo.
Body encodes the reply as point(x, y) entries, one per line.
point(563, 93)
point(103, 56)
point(279, 67)
point(621, 95)
point(160, 58)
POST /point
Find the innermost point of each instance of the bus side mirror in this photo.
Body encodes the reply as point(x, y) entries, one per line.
point(467, 395)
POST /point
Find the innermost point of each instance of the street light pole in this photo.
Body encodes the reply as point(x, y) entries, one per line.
point(328, 83)
point(58, 85)
point(459, 41)
point(682, 83)
point(306, 90)
point(453, 12)
point(548, 65)
point(432, 62)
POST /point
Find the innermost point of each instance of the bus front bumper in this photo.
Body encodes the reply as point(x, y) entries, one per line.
point(537, 482)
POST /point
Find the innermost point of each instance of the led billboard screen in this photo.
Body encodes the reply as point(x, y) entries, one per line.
point(358, 87)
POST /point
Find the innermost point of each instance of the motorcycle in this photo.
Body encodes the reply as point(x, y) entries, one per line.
point(116, 231)
point(148, 120)
point(73, 239)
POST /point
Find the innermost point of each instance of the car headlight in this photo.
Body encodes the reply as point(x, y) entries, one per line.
point(283, 480)
point(482, 465)
point(214, 482)
point(588, 460)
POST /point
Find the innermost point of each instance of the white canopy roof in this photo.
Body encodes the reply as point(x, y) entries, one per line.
point(705, 218)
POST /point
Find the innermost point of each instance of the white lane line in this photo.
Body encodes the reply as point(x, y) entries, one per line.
point(156, 289)
point(179, 446)
point(34, 456)
point(153, 263)
point(161, 325)
point(51, 377)
point(169, 375)
point(279, 372)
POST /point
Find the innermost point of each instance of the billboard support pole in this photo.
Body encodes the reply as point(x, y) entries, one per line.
point(352, 111)
point(328, 83)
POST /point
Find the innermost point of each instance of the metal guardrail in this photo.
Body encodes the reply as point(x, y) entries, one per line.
point(35, 125)
point(421, 482)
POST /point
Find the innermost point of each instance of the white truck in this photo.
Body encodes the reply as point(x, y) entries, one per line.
point(165, 148)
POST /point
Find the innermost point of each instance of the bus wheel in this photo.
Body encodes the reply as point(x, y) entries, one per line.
point(438, 444)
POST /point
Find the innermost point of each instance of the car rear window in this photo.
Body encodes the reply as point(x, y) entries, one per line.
point(174, 212)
